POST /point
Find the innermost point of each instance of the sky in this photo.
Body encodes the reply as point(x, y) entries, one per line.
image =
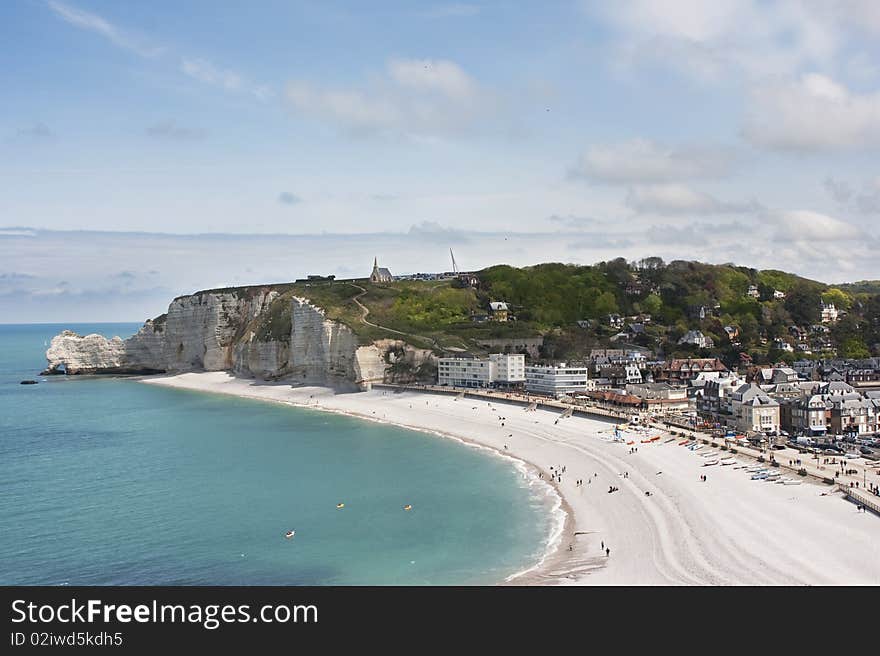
point(148, 150)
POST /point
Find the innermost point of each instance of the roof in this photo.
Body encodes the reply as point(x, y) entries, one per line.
point(705, 364)
point(495, 306)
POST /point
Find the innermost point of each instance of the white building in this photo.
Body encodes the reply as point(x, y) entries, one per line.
point(697, 338)
point(753, 291)
point(556, 380)
point(501, 368)
point(509, 368)
point(829, 313)
point(465, 372)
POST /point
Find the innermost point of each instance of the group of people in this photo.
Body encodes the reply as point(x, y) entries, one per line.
point(703, 478)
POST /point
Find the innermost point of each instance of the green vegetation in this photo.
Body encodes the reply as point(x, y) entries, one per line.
point(569, 307)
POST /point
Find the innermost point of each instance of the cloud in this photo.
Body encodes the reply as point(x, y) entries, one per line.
point(204, 71)
point(599, 241)
point(95, 23)
point(814, 113)
point(805, 225)
point(434, 232)
point(693, 235)
point(711, 41)
point(17, 232)
point(287, 198)
point(579, 222)
point(15, 277)
point(414, 97)
point(680, 199)
point(227, 79)
point(839, 190)
point(170, 130)
point(36, 131)
point(868, 201)
point(644, 161)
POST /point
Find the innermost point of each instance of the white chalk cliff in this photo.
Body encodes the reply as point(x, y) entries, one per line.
point(251, 332)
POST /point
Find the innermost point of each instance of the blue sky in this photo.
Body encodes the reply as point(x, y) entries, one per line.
point(737, 130)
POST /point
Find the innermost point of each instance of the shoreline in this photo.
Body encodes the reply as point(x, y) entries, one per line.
point(663, 524)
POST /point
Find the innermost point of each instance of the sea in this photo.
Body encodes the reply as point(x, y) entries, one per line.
point(108, 481)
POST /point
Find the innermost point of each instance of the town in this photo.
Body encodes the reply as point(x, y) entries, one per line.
point(811, 396)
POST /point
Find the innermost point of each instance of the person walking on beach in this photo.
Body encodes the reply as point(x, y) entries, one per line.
point(607, 552)
point(603, 544)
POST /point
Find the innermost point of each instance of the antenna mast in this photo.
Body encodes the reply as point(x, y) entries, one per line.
point(454, 265)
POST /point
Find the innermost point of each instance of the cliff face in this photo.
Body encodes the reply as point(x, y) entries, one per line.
point(255, 333)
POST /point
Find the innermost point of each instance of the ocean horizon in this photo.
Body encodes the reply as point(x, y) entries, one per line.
point(108, 481)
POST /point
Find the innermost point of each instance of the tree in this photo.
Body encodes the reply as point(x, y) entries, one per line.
point(854, 348)
point(802, 304)
point(605, 304)
point(652, 304)
point(839, 298)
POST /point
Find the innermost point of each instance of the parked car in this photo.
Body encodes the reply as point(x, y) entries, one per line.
point(865, 450)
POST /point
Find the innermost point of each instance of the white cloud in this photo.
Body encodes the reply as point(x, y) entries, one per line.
point(644, 161)
point(750, 37)
point(417, 98)
point(680, 199)
point(205, 71)
point(424, 75)
point(805, 225)
point(94, 23)
point(813, 113)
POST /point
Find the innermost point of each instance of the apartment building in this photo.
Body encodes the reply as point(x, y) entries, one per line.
point(557, 380)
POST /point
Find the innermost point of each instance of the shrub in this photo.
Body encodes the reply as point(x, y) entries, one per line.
point(802, 472)
point(760, 458)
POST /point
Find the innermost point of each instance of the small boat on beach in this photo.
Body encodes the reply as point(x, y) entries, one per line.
point(759, 476)
point(728, 461)
point(710, 462)
point(791, 481)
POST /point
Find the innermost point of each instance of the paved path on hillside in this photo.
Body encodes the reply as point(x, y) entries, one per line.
point(365, 310)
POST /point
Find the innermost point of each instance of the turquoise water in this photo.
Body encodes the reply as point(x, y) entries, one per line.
point(106, 481)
